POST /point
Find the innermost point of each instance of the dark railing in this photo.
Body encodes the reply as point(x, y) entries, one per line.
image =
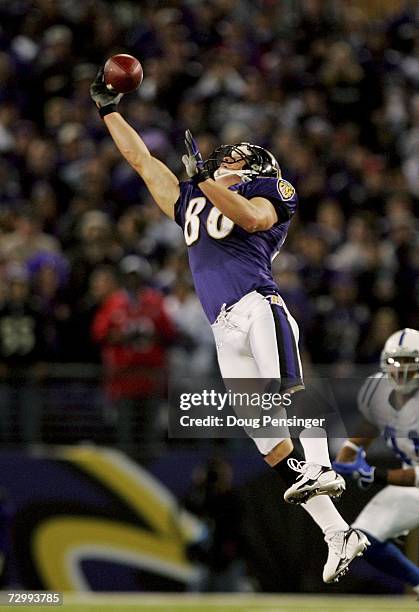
point(70, 405)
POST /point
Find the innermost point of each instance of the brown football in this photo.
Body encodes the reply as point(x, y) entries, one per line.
point(123, 73)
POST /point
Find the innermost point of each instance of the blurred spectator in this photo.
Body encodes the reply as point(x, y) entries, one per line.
point(27, 239)
point(134, 332)
point(194, 354)
point(339, 326)
point(384, 323)
point(342, 77)
point(49, 285)
point(352, 256)
point(23, 349)
point(330, 221)
point(96, 247)
point(213, 499)
point(53, 67)
point(314, 271)
point(103, 282)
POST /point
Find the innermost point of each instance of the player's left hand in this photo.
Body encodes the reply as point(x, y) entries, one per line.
point(193, 161)
point(359, 469)
point(105, 99)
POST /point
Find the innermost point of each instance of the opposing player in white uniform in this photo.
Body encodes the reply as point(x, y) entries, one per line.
point(235, 211)
point(389, 403)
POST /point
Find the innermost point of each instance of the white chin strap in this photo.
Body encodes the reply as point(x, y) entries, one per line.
point(243, 174)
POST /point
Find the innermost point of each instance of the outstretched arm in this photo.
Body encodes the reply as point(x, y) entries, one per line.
point(366, 434)
point(160, 181)
point(351, 461)
point(403, 478)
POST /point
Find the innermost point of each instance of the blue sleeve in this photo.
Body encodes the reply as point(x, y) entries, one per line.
point(278, 191)
point(180, 205)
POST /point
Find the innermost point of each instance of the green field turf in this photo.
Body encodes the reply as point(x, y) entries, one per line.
point(234, 603)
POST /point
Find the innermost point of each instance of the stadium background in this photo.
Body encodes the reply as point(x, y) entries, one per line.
point(331, 88)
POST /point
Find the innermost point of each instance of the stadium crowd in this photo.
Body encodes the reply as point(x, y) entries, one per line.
point(332, 92)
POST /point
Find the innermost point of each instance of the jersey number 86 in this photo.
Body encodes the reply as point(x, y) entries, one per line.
point(218, 225)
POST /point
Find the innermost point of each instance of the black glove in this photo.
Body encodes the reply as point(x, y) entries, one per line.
point(105, 99)
point(193, 161)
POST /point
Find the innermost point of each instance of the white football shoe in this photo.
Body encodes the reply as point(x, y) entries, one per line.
point(344, 546)
point(314, 480)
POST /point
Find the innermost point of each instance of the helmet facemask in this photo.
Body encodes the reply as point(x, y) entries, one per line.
point(402, 369)
point(258, 161)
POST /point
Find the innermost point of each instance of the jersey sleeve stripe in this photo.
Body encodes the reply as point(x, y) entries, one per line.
point(367, 386)
point(374, 390)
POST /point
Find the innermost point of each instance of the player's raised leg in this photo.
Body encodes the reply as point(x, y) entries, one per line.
point(242, 334)
point(344, 543)
point(274, 339)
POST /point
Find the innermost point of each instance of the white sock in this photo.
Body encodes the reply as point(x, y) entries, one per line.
point(324, 513)
point(416, 589)
point(316, 449)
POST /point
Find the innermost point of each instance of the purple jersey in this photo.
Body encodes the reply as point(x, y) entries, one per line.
point(226, 261)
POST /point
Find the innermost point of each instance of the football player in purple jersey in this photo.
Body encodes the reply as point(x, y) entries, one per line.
point(235, 211)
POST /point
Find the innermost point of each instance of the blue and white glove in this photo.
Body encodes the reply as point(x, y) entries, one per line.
point(359, 470)
point(193, 161)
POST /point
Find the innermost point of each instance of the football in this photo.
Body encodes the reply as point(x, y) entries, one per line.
point(123, 73)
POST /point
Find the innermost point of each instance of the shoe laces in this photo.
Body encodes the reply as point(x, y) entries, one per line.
point(297, 466)
point(304, 468)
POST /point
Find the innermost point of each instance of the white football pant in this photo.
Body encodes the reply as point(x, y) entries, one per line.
point(258, 338)
point(393, 511)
